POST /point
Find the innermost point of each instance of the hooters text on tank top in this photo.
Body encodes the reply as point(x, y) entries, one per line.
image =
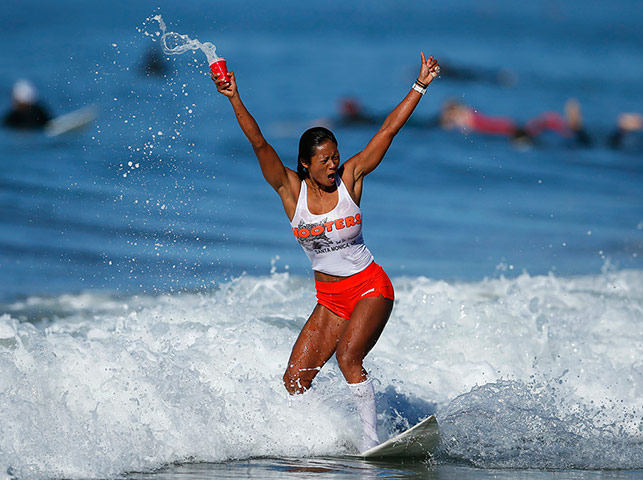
point(332, 241)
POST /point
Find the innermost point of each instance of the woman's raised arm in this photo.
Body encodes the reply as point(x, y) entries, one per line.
point(368, 159)
point(274, 171)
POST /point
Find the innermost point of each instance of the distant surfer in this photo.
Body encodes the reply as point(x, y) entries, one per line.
point(626, 125)
point(322, 201)
point(154, 64)
point(26, 111)
point(455, 115)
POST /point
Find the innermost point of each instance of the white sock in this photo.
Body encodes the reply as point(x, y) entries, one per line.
point(364, 395)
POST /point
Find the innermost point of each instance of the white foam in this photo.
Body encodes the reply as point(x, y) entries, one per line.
point(544, 369)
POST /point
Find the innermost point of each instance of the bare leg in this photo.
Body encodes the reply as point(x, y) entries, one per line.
point(315, 345)
point(364, 329)
point(360, 335)
point(326, 333)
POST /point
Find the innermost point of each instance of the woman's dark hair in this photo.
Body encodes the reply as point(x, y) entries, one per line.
point(311, 139)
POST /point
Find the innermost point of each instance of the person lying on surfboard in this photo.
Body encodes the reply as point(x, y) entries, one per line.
point(322, 201)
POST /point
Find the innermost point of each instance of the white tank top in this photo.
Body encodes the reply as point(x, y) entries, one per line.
point(332, 241)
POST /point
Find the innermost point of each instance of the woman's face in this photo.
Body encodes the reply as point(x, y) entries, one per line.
point(324, 164)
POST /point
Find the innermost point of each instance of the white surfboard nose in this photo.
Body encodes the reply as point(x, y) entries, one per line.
point(419, 441)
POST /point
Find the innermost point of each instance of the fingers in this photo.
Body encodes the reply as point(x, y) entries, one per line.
point(433, 66)
point(430, 69)
point(430, 63)
point(218, 78)
point(223, 82)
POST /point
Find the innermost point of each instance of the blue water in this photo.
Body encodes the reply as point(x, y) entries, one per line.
point(160, 199)
point(463, 206)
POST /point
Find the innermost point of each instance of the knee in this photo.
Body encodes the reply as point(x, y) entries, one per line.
point(294, 382)
point(349, 359)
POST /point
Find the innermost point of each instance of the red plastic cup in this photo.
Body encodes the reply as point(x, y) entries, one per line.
point(220, 67)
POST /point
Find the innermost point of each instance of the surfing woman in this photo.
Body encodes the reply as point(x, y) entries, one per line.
point(321, 199)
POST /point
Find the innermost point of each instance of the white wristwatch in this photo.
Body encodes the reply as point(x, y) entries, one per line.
point(418, 89)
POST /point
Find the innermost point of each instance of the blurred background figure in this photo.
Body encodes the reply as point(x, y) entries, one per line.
point(455, 115)
point(154, 64)
point(502, 77)
point(627, 124)
point(569, 126)
point(352, 112)
point(26, 111)
point(455, 71)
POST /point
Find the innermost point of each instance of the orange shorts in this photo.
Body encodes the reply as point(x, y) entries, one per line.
point(341, 297)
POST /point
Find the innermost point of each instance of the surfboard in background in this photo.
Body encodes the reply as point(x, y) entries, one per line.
point(74, 120)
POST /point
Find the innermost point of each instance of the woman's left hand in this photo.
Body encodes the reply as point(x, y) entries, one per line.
point(429, 70)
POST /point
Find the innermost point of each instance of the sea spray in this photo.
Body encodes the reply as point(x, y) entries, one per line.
point(516, 424)
point(536, 372)
point(174, 43)
point(138, 387)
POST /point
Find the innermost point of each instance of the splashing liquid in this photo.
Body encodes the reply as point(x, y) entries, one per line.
point(176, 44)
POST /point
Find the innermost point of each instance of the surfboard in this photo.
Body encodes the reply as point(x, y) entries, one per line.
point(70, 121)
point(419, 441)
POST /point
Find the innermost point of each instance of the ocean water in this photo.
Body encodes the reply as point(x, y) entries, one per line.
point(151, 290)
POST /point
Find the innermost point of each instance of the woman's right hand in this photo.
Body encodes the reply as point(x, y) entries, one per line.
point(225, 87)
